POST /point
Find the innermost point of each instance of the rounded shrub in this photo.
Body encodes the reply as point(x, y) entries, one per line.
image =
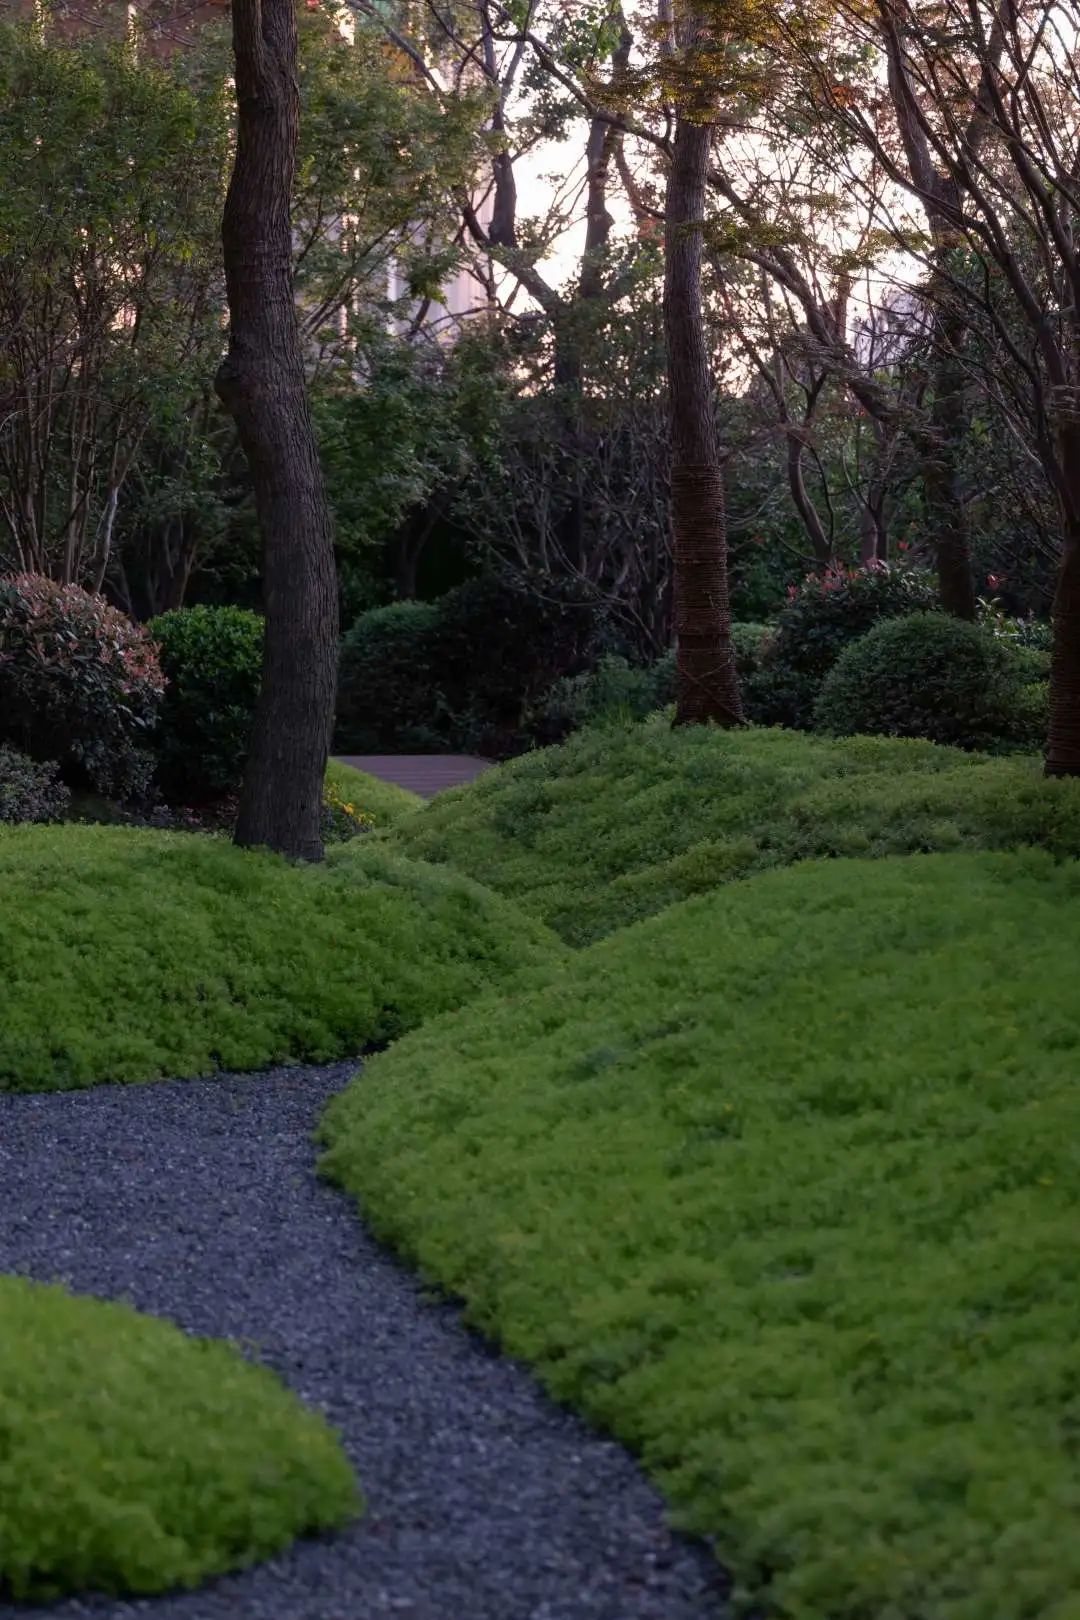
point(387, 691)
point(822, 617)
point(80, 684)
point(465, 671)
point(29, 791)
point(501, 642)
point(138, 1459)
point(927, 676)
point(212, 661)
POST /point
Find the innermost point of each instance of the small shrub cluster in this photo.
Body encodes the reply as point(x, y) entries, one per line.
point(29, 791)
point(212, 661)
point(616, 691)
point(780, 1187)
point(465, 671)
point(821, 617)
point(137, 1459)
point(79, 684)
point(931, 676)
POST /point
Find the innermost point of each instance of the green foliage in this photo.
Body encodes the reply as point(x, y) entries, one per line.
point(780, 1187)
point(137, 1458)
point(612, 693)
point(128, 955)
point(212, 661)
point(384, 802)
point(29, 791)
point(616, 824)
point(79, 683)
point(820, 618)
point(931, 676)
point(387, 683)
point(462, 672)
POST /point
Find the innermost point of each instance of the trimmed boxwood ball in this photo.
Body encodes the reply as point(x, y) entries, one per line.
point(133, 955)
point(134, 1459)
point(822, 616)
point(780, 1187)
point(212, 661)
point(929, 676)
point(388, 682)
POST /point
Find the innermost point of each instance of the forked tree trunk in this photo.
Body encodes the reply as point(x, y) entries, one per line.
point(707, 687)
point(261, 382)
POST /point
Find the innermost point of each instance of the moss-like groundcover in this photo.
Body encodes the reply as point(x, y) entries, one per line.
point(134, 1458)
point(128, 955)
point(384, 802)
point(619, 822)
point(782, 1187)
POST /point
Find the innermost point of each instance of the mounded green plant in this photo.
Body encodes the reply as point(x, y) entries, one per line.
point(382, 804)
point(79, 684)
point(29, 791)
point(780, 1187)
point(130, 955)
point(136, 1458)
point(212, 661)
point(615, 824)
point(388, 695)
point(821, 617)
point(929, 675)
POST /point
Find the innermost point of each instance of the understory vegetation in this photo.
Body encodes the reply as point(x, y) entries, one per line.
point(136, 1458)
point(128, 954)
point(780, 1187)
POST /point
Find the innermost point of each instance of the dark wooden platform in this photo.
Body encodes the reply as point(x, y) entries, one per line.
point(426, 774)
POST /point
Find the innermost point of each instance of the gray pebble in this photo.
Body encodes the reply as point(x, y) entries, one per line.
point(197, 1200)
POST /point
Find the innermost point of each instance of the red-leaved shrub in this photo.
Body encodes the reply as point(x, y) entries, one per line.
point(80, 683)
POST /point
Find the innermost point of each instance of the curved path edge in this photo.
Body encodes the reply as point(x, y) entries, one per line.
point(198, 1200)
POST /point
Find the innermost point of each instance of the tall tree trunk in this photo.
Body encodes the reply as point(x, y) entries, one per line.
point(1063, 741)
point(261, 382)
point(939, 450)
point(707, 687)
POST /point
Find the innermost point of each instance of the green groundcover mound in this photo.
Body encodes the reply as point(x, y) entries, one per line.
point(134, 1458)
point(783, 1187)
point(128, 955)
point(618, 823)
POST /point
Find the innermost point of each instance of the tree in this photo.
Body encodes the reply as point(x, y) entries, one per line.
point(706, 682)
point(262, 383)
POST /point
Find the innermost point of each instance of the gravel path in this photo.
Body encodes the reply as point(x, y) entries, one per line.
point(197, 1200)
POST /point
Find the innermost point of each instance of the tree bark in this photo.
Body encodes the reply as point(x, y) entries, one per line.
point(706, 683)
point(262, 383)
point(939, 449)
point(1063, 740)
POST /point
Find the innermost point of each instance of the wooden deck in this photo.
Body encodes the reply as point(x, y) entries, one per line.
point(426, 774)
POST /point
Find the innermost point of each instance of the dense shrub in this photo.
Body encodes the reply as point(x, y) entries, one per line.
point(780, 1187)
point(821, 617)
point(616, 824)
point(388, 695)
point(29, 791)
point(614, 690)
point(212, 661)
point(382, 804)
point(128, 954)
point(930, 676)
point(465, 671)
point(136, 1458)
point(79, 684)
